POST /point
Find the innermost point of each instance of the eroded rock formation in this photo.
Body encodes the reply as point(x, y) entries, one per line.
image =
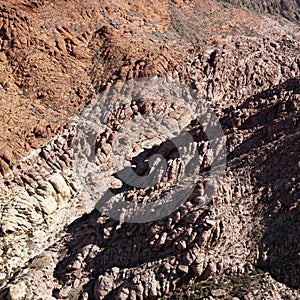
point(55, 59)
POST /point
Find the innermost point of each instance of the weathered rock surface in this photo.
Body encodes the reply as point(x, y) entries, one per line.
point(288, 9)
point(55, 57)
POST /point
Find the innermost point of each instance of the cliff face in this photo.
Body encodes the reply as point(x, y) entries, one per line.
point(57, 57)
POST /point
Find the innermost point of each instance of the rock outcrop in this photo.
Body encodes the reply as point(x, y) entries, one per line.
point(56, 57)
point(288, 9)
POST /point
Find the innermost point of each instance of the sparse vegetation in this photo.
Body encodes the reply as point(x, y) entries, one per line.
point(234, 286)
point(40, 262)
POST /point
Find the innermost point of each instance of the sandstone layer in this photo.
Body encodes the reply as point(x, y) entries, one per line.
point(56, 57)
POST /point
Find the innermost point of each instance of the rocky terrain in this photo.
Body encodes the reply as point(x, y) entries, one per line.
point(287, 8)
point(242, 57)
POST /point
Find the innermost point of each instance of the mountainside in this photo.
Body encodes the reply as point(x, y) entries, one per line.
point(289, 9)
point(240, 240)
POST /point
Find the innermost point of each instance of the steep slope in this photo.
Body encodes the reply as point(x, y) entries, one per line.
point(54, 244)
point(54, 58)
point(289, 9)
